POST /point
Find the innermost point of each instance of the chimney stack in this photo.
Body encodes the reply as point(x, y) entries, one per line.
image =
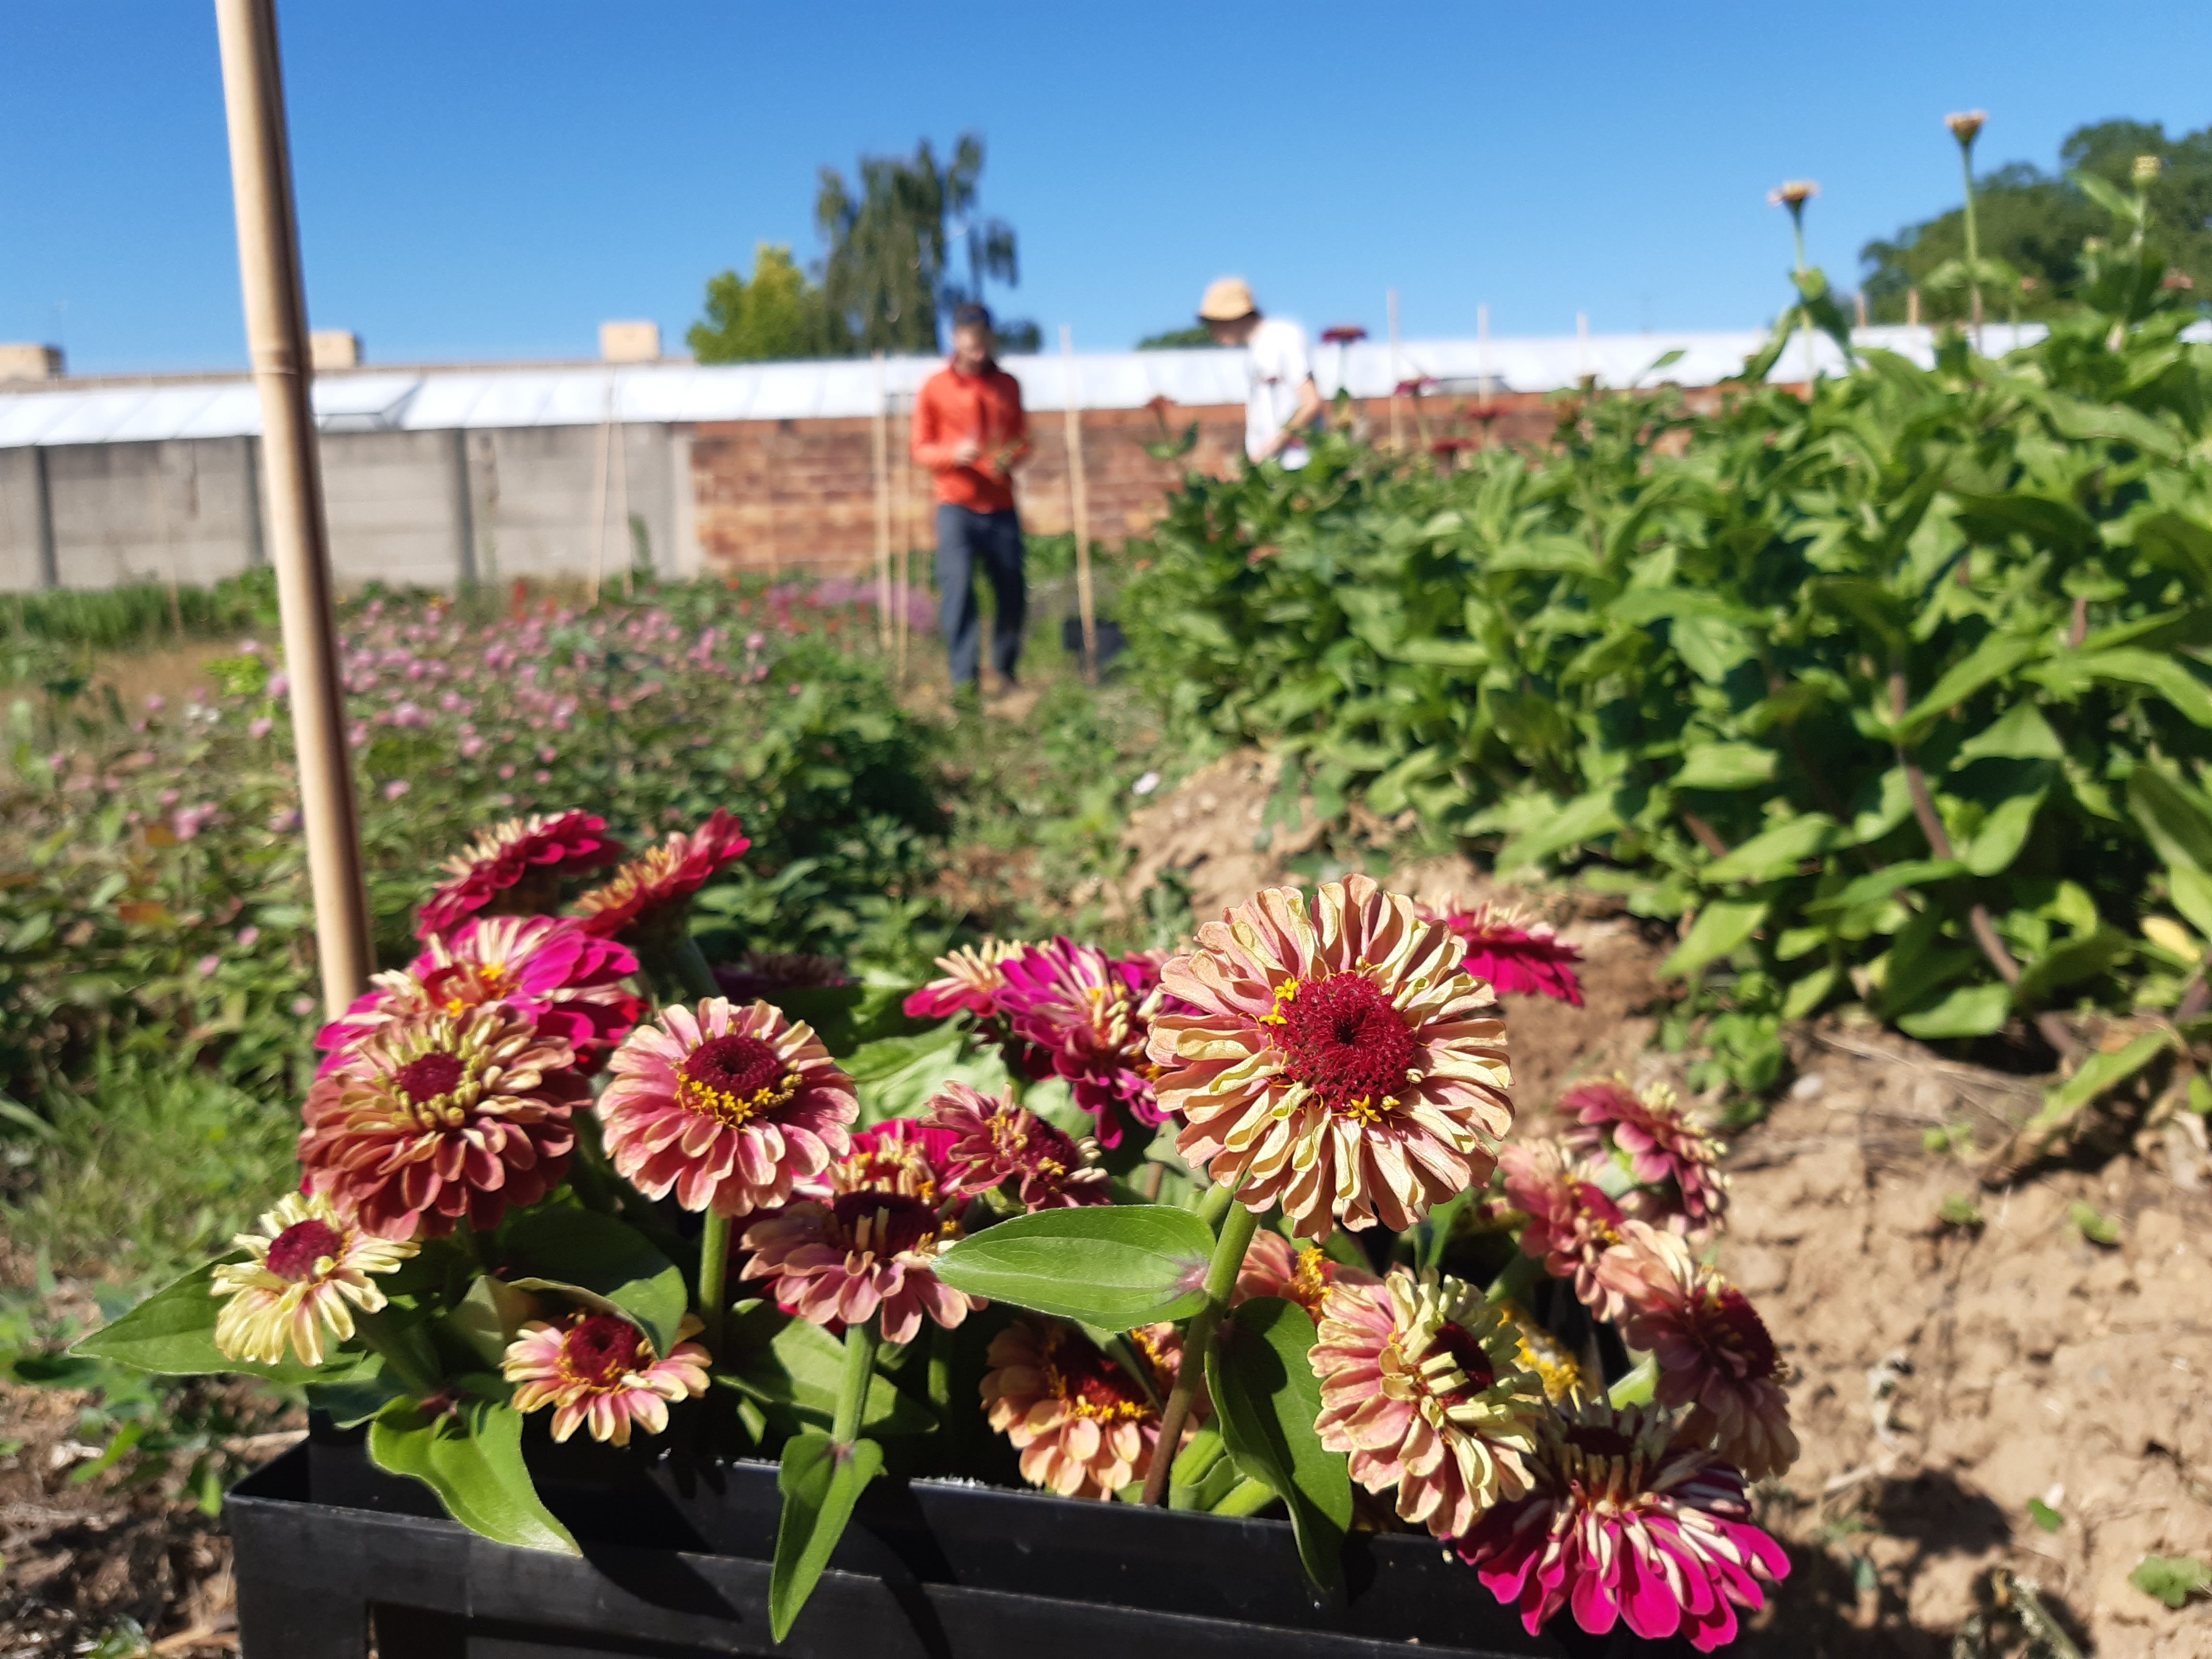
point(20, 361)
point(333, 348)
point(629, 343)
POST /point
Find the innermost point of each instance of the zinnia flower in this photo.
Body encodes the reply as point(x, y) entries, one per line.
point(761, 973)
point(840, 1261)
point(1792, 194)
point(996, 1141)
point(1967, 124)
point(651, 892)
point(1624, 1526)
point(442, 1116)
point(1275, 1266)
point(1351, 1071)
point(1419, 1384)
point(1572, 1222)
point(551, 971)
point(1512, 957)
point(1090, 1016)
point(901, 1155)
point(972, 975)
point(599, 1368)
point(513, 868)
point(727, 1107)
point(309, 1264)
point(1085, 1427)
point(1661, 1141)
point(1543, 1355)
point(1714, 1352)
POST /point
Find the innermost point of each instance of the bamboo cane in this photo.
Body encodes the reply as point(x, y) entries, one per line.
point(298, 538)
point(1078, 509)
point(883, 471)
point(1397, 377)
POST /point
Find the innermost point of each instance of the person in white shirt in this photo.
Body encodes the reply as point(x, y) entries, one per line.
point(1281, 399)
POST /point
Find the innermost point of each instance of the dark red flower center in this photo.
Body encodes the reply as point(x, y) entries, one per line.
point(1466, 1353)
point(599, 1350)
point(294, 1252)
point(1342, 1039)
point(421, 1080)
point(1089, 1383)
point(1733, 1325)
point(885, 1223)
point(734, 1079)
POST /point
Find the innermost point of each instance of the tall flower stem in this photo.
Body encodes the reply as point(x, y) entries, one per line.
point(1973, 238)
point(860, 1342)
point(1236, 1230)
point(714, 1275)
point(690, 965)
point(403, 1360)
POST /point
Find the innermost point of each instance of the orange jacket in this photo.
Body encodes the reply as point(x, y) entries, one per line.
point(986, 409)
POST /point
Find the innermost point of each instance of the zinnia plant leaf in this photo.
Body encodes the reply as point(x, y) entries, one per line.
point(1117, 1269)
point(173, 1332)
point(820, 1482)
point(472, 1456)
point(562, 1247)
point(781, 1361)
point(1266, 1398)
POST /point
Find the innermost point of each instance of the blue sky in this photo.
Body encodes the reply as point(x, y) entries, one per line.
point(486, 179)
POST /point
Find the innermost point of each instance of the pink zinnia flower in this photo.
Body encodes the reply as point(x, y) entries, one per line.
point(1090, 1016)
point(1572, 1222)
point(1419, 1384)
point(902, 1155)
point(1715, 1354)
point(970, 985)
point(994, 1141)
point(1663, 1144)
point(865, 1251)
point(513, 868)
point(443, 1116)
point(1626, 1525)
point(1515, 957)
point(653, 890)
point(727, 1107)
point(599, 1369)
point(1085, 1427)
point(1348, 1070)
point(547, 969)
point(1275, 1266)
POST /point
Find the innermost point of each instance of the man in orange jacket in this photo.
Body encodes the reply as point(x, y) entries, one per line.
point(969, 431)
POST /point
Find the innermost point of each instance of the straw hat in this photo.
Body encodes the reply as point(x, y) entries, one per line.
point(1226, 301)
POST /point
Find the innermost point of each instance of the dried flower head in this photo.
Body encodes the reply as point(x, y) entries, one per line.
point(1714, 1352)
point(1419, 1384)
point(515, 868)
point(1966, 126)
point(1350, 1069)
point(1084, 1426)
point(1792, 194)
point(994, 1141)
point(311, 1268)
point(971, 983)
point(1626, 1525)
point(564, 980)
point(1572, 1222)
point(442, 1116)
point(726, 1107)
point(651, 894)
point(1662, 1142)
point(1090, 1016)
point(599, 1368)
point(1513, 957)
point(1275, 1266)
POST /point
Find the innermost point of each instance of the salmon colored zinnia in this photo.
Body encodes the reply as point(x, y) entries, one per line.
point(1342, 1064)
point(651, 894)
point(1275, 1266)
point(599, 1369)
point(1085, 1426)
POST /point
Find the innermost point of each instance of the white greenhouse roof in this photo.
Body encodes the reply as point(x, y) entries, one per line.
point(445, 399)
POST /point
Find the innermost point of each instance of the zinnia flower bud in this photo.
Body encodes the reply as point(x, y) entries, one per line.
point(2146, 170)
point(1792, 194)
point(1967, 124)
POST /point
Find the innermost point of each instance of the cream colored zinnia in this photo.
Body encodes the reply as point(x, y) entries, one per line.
point(309, 1270)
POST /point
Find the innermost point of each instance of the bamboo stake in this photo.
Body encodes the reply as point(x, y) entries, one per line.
point(1397, 374)
point(1078, 508)
point(298, 538)
point(883, 471)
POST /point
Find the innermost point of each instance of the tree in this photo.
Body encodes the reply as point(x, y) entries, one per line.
point(1177, 339)
point(2036, 223)
point(888, 273)
point(778, 315)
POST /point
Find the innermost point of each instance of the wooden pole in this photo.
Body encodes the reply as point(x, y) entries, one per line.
point(906, 538)
point(299, 539)
point(1397, 374)
point(1079, 507)
point(883, 471)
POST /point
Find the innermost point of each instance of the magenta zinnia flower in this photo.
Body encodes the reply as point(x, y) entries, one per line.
point(727, 1107)
point(1348, 1070)
point(905, 1155)
point(1085, 1427)
point(1624, 1527)
point(996, 1141)
point(1715, 1354)
point(653, 891)
point(599, 1369)
point(440, 1117)
point(972, 975)
point(1513, 957)
point(842, 1262)
point(1572, 1222)
point(513, 868)
point(565, 981)
point(1663, 1144)
point(1090, 1016)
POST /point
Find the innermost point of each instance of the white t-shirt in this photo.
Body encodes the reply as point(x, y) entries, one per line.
point(1276, 370)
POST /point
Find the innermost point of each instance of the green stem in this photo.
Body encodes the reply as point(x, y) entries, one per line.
point(1236, 1230)
point(1637, 1387)
point(1246, 1498)
point(1514, 1279)
point(1973, 241)
point(713, 1274)
point(860, 1342)
point(689, 963)
point(1215, 1204)
point(390, 1343)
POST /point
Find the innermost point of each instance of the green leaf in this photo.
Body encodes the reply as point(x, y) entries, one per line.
point(1582, 819)
point(2044, 1516)
point(1876, 887)
point(896, 1076)
point(1117, 1268)
point(1265, 1398)
point(1725, 766)
point(1778, 851)
point(781, 1361)
point(603, 1261)
point(2020, 733)
point(472, 1456)
point(2070, 675)
point(1809, 993)
point(2098, 1229)
point(821, 1482)
point(1712, 647)
point(2071, 961)
point(2174, 818)
point(2172, 1578)
point(1989, 661)
point(2100, 1073)
point(1968, 1011)
point(1720, 927)
point(2002, 834)
point(172, 1333)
